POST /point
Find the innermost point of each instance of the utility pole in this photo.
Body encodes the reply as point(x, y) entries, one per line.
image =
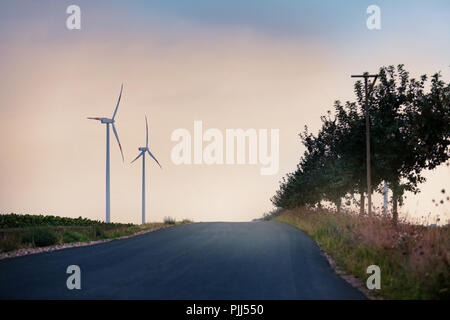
point(366, 77)
point(385, 201)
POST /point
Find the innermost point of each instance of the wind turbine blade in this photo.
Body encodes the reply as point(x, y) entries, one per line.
point(118, 101)
point(146, 127)
point(117, 137)
point(90, 118)
point(151, 155)
point(139, 155)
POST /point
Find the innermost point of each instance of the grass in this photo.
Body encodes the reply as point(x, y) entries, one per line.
point(414, 260)
point(43, 235)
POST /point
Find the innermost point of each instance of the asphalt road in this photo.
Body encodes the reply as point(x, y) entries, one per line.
point(218, 260)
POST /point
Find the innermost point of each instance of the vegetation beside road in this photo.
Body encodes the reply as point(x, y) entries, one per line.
point(32, 231)
point(414, 259)
point(409, 134)
point(13, 220)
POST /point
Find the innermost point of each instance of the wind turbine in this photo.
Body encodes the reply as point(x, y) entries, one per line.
point(109, 121)
point(143, 150)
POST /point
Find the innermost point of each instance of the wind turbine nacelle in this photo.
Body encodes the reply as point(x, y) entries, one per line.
point(106, 120)
point(142, 149)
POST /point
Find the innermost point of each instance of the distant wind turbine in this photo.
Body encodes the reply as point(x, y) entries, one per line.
point(143, 150)
point(109, 121)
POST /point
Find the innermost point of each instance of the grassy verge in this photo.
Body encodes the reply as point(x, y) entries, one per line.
point(42, 235)
point(414, 260)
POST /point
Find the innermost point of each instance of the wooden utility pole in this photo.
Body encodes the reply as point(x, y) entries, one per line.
point(366, 77)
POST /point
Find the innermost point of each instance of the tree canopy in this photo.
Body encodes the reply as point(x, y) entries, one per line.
point(409, 132)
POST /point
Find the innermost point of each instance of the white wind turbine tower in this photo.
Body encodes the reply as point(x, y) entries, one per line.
point(109, 121)
point(143, 151)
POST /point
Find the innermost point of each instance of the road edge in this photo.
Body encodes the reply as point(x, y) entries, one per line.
point(354, 281)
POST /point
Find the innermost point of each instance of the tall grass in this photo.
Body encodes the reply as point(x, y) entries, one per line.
point(414, 260)
point(42, 236)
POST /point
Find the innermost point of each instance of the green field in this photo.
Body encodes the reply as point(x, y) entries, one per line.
point(32, 231)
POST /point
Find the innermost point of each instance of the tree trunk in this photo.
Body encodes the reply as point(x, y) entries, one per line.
point(362, 204)
point(394, 212)
point(338, 205)
point(395, 197)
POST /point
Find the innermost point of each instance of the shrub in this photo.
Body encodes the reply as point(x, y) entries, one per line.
point(9, 242)
point(40, 237)
point(27, 220)
point(99, 232)
point(272, 214)
point(169, 220)
point(72, 236)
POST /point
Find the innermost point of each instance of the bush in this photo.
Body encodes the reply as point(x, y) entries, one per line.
point(27, 220)
point(72, 236)
point(272, 214)
point(40, 237)
point(169, 220)
point(99, 232)
point(9, 242)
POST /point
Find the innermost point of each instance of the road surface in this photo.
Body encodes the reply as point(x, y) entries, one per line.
point(217, 260)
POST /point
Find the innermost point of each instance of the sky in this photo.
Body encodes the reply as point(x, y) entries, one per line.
point(230, 64)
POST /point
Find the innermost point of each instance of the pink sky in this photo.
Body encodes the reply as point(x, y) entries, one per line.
point(53, 159)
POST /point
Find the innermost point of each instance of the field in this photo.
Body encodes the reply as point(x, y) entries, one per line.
point(414, 260)
point(32, 231)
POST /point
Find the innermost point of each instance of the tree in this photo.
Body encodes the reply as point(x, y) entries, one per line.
point(410, 132)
